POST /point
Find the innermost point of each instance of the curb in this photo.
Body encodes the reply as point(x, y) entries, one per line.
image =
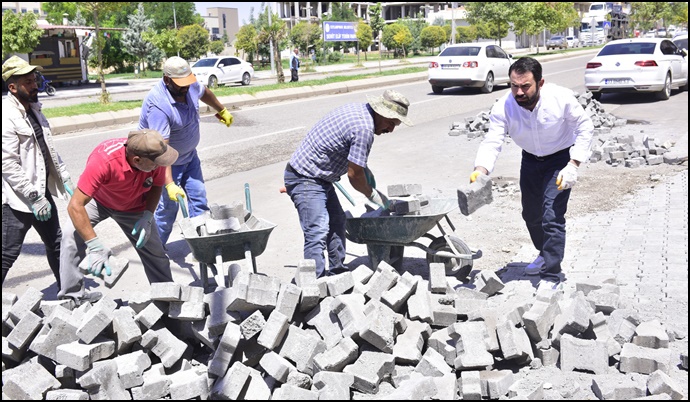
point(64, 125)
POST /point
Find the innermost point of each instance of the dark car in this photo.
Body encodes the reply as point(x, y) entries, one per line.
point(557, 42)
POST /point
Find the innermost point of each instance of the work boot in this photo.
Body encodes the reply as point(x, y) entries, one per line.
point(535, 267)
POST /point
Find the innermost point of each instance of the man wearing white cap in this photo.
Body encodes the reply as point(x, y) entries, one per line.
point(32, 171)
point(172, 109)
point(123, 180)
point(336, 145)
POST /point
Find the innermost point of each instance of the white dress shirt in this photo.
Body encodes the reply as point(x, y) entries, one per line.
point(557, 122)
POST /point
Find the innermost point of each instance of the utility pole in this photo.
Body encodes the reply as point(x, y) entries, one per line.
point(452, 22)
point(175, 22)
point(270, 40)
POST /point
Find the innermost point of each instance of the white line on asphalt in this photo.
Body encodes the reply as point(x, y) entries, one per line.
point(69, 136)
point(249, 139)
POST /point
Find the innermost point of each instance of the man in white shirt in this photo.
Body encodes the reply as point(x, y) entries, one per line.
point(555, 134)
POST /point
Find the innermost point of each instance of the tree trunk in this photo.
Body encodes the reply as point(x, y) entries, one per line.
point(279, 65)
point(105, 97)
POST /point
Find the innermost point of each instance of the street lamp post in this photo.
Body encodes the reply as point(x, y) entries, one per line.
point(175, 22)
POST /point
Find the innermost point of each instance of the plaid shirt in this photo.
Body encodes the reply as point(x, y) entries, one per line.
point(345, 134)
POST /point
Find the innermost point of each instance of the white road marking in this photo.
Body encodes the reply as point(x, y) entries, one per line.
point(249, 139)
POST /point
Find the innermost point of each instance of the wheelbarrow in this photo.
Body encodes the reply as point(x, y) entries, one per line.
point(387, 236)
point(214, 249)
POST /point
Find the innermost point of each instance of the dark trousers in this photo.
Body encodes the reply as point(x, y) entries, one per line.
point(294, 73)
point(544, 206)
point(15, 226)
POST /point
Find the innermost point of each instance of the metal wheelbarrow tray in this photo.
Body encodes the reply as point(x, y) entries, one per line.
point(386, 237)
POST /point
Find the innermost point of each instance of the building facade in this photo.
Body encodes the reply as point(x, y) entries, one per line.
point(222, 21)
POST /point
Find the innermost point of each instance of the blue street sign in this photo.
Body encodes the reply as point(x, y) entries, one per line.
point(607, 24)
point(334, 31)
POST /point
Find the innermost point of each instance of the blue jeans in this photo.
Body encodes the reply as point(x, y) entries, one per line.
point(190, 178)
point(15, 226)
point(322, 219)
point(544, 206)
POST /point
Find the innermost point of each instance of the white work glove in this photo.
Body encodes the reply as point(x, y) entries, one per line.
point(67, 183)
point(41, 208)
point(143, 227)
point(98, 257)
point(567, 177)
point(379, 199)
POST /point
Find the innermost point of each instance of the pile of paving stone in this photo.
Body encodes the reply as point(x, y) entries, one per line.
point(361, 334)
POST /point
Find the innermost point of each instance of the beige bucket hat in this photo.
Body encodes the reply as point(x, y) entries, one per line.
point(391, 105)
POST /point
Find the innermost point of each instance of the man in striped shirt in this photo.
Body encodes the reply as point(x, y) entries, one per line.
point(338, 144)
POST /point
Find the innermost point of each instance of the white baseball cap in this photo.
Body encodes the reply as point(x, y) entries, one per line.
point(179, 71)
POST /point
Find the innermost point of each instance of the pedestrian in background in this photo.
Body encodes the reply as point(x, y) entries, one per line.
point(123, 180)
point(555, 134)
point(294, 65)
point(338, 144)
point(172, 109)
point(32, 170)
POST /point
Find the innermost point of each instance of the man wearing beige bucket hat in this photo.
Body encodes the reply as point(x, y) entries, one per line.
point(123, 180)
point(32, 171)
point(336, 145)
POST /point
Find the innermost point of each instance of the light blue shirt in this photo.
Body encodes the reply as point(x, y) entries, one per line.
point(557, 122)
point(177, 122)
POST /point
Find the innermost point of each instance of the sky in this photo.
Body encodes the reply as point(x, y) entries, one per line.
point(243, 8)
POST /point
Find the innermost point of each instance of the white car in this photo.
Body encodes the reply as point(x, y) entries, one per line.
point(478, 65)
point(681, 41)
point(637, 65)
point(213, 71)
point(573, 41)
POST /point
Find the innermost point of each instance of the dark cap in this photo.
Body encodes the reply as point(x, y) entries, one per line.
point(150, 144)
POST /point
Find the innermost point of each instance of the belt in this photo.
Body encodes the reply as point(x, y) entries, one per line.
point(290, 169)
point(546, 157)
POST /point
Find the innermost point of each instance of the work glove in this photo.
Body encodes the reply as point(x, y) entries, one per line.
point(98, 257)
point(143, 227)
point(225, 117)
point(41, 208)
point(567, 177)
point(474, 175)
point(174, 190)
point(67, 183)
point(371, 180)
point(379, 199)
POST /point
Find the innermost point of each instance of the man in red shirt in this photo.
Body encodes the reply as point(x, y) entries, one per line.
point(123, 179)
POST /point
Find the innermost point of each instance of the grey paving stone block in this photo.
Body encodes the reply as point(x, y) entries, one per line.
point(638, 359)
point(28, 381)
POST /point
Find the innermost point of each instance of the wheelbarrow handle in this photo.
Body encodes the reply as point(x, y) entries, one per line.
point(345, 193)
point(247, 197)
point(183, 206)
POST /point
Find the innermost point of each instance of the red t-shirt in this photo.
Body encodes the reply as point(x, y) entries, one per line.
point(110, 180)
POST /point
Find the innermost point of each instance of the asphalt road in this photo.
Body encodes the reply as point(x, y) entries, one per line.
point(255, 149)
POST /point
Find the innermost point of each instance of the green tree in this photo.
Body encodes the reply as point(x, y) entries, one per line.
point(96, 9)
point(193, 40)
point(500, 14)
point(161, 13)
point(396, 36)
point(535, 18)
point(433, 36)
point(55, 11)
point(276, 32)
point(247, 41)
point(304, 35)
point(341, 11)
point(365, 36)
point(216, 46)
point(415, 26)
point(466, 34)
point(377, 24)
point(134, 40)
point(166, 40)
point(20, 33)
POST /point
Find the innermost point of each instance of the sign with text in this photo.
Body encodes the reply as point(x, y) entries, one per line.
point(339, 31)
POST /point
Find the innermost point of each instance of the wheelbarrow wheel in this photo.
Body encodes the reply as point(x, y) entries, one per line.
point(457, 267)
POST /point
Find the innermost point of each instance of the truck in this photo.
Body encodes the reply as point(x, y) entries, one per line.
point(604, 22)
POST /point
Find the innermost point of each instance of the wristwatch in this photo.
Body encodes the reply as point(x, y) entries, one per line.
point(33, 196)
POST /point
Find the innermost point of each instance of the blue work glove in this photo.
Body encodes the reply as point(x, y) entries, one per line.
point(98, 257)
point(379, 199)
point(143, 227)
point(67, 183)
point(371, 180)
point(41, 208)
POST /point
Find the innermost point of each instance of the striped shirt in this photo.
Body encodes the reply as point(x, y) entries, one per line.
point(344, 135)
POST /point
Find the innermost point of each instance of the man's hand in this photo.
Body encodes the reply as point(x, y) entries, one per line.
point(379, 199)
point(474, 175)
point(67, 183)
point(567, 177)
point(98, 257)
point(41, 208)
point(143, 227)
point(174, 190)
point(371, 180)
point(225, 117)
